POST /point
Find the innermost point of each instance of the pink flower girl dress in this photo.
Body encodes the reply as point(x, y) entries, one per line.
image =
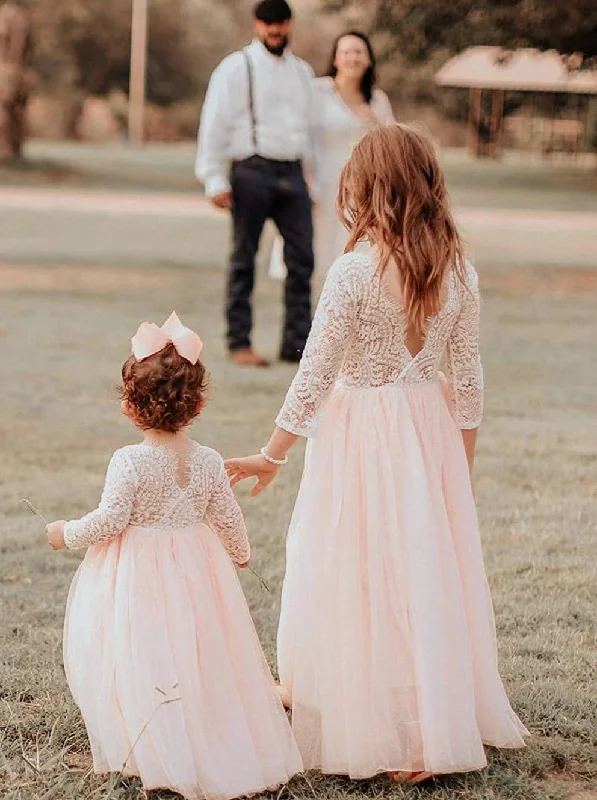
point(160, 651)
point(386, 641)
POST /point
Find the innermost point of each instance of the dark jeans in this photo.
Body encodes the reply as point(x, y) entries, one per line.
point(261, 190)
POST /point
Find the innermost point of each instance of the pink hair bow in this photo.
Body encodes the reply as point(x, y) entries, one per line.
point(150, 339)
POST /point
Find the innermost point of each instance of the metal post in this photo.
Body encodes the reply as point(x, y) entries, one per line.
point(474, 120)
point(138, 69)
point(497, 122)
point(579, 139)
point(532, 115)
point(548, 142)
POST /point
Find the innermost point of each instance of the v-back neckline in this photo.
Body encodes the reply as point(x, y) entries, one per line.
point(430, 321)
point(180, 469)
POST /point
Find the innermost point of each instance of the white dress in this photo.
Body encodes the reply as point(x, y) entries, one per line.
point(338, 130)
point(387, 641)
point(160, 650)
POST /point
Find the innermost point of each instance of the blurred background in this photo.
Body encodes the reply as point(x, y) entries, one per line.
point(78, 57)
point(106, 95)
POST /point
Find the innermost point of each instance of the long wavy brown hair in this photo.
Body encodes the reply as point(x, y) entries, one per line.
point(393, 194)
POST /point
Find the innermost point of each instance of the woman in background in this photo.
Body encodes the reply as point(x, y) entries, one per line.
point(349, 105)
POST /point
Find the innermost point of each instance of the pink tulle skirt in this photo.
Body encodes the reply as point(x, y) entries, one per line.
point(387, 639)
point(163, 660)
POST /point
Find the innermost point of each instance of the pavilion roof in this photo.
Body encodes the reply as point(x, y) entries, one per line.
point(524, 70)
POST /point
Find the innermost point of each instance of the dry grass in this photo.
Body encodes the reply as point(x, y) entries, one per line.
point(63, 341)
point(69, 278)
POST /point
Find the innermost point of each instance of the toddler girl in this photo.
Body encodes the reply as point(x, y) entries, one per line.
point(159, 647)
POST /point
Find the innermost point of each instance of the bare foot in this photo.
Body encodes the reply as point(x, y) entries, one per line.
point(284, 696)
point(421, 777)
point(410, 777)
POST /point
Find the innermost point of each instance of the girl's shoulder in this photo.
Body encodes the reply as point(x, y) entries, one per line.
point(357, 260)
point(470, 275)
point(143, 459)
point(466, 281)
point(140, 452)
point(125, 453)
point(470, 271)
point(133, 453)
point(207, 454)
point(353, 270)
point(361, 257)
point(208, 458)
point(124, 462)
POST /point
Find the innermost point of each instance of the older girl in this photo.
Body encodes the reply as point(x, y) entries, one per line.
point(386, 644)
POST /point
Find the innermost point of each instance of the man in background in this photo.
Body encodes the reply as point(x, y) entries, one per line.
point(258, 116)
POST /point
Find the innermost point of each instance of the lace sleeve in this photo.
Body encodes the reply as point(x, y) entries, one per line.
point(465, 371)
point(225, 517)
point(326, 347)
point(114, 511)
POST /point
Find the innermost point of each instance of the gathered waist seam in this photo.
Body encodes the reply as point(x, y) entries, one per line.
point(178, 528)
point(399, 384)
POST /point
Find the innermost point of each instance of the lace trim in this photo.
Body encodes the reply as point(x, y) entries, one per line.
point(358, 337)
point(141, 488)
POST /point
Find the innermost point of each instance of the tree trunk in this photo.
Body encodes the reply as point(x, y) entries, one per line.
point(15, 78)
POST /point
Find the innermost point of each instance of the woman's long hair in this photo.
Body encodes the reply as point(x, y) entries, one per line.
point(393, 193)
point(369, 78)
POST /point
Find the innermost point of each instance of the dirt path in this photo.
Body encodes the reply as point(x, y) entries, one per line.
point(162, 204)
point(140, 229)
point(184, 205)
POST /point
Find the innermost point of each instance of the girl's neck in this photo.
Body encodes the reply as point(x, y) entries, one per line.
point(348, 86)
point(154, 436)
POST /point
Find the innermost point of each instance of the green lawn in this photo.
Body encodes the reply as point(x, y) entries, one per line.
point(64, 333)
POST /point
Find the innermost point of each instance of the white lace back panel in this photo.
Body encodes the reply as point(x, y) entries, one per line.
point(142, 488)
point(358, 338)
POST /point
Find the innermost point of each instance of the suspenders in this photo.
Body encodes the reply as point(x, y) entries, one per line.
point(251, 97)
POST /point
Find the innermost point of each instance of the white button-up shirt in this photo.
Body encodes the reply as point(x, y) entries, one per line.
point(284, 113)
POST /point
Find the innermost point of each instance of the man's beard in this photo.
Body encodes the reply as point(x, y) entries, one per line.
point(278, 49)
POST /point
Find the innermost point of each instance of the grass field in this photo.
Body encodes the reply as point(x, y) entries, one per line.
point(516, 182)
point(64, 332)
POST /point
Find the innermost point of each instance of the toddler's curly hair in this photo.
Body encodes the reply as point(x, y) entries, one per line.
point(165, 391)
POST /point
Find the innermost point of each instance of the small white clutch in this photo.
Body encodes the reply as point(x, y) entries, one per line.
point(277, 267)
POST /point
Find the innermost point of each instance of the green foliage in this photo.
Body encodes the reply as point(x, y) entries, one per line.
point(84, 45)
point(416, 29)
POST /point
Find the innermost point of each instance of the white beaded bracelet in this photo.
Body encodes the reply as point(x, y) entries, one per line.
point(275, 461)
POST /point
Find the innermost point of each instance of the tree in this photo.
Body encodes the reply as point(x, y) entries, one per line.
point(16, 79)
point(84, 45)
point(418, 29)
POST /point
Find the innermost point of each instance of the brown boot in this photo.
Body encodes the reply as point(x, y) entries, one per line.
point(247, 357)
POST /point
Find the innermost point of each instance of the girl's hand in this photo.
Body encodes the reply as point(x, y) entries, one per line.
point(239, 469)
point(55, 534)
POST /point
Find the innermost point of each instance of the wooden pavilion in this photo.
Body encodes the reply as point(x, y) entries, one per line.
point(489, 72)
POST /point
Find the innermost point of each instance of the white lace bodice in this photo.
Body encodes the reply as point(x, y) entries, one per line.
point(142, 488)
point(358, 339)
